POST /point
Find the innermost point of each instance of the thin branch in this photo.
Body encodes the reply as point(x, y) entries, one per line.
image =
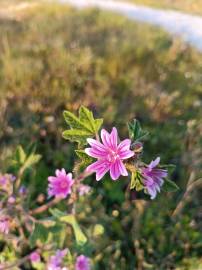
point(44, 207)
point(186, 197)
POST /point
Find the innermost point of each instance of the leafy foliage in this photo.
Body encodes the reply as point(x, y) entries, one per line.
point(155, 78)
point(82, 127)
point(136, 181)
point(135, 131)
point(170, 186)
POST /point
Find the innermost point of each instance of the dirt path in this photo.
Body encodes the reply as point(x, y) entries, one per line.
point(188, 27)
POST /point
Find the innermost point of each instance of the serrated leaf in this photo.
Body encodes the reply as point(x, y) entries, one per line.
point(74, 122)
point(170, 186)
point(79, 136)
point(86, 116)
point(82, 127)
point(135, 131)
point(98, 124)
point(79, 235)
point(86, 159)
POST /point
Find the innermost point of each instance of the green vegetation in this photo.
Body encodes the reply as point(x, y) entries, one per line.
point(189, 6)
point(57, 59)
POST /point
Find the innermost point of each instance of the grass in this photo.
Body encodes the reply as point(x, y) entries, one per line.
point(189, 6)
point(57, 58)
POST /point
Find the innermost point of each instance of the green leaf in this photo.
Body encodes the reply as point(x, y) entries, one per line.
point(82, 127)
point(31, 160)
point(170, 186)
point(135, 131)
point(57, 213)
point(39, 234)
point(169, 167)
point(86, 116)
point(25, 159)
point(136, 181)
point(85, 159)
point(79, 235)
point(20, 155)
point(74, 122)
point(76, 135)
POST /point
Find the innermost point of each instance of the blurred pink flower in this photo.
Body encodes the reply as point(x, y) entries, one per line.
point(60, 185)
point(153, 177)
point(6, 182)
point(83, 189)
point(35, 257)
point(109, 154)
point(56, 260)
point(82, 263)
point(4, 225)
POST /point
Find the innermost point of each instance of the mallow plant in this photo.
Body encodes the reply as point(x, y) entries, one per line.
point(39, 237)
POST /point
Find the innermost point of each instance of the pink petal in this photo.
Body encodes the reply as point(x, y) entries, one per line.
point(114, 171)
point(101, 172)
point(57, 172)
point(154, 163)
point(95, 144)
point(152, 191)
point(114, 137)
point(70, 176)
point(52, 179)
point(124, 145)
point(100, 167)
point(97, 165)
point(122, 168)
point(105, 136)
point(126, 154)
point(95, 153)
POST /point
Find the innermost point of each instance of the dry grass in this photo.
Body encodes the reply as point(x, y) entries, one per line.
point(190, 6)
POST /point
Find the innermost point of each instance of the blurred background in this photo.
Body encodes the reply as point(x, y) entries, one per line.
point(55, 57)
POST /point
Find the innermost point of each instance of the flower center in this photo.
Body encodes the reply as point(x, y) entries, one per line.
point(113, 156)
point(63, 184)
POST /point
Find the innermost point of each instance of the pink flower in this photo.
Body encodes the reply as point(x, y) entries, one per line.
point(60, 186)
point(4, 225)
point(11, 200)
point(109, 154)
point(35, 257)
point(56, 260)
point(6, 182)
point(83, 189)
point(82, 263)
point(153, 177)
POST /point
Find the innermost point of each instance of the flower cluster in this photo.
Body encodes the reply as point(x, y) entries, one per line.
point(112, 156)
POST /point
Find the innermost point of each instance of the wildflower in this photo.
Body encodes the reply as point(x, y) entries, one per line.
point(4, 225)
point(11, 200)
point(60, 186)
point(110, 155)
point(6, 182)
point(56, 260)
point(153, 177)
point(22, 190)
point(83, 189)
point(35, 257)
point(82, 263)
